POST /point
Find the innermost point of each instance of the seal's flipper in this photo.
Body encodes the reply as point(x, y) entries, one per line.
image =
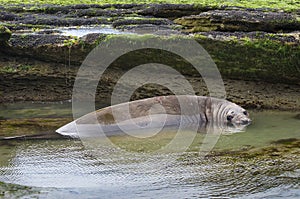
point(68, 130)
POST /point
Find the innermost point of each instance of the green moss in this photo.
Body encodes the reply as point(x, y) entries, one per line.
point(255, 59)
point(289, 5)
point(16, 68)
point(71, 42)
point(197, 25)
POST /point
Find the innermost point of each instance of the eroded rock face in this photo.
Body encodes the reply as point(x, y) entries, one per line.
point(52, 48)
point(240, 20)
point(247, 44)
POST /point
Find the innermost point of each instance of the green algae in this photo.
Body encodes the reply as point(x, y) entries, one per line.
point(21, 127)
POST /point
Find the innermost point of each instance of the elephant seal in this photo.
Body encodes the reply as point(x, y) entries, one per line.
point(163, 111)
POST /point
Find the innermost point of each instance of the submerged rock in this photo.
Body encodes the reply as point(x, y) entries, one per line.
point(34, 128)
point(8, 190)
point(297, 116)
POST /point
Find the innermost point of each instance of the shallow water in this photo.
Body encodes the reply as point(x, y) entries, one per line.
point(70, 168)
point(77, 31)
point(35, 110)
point(81, 31)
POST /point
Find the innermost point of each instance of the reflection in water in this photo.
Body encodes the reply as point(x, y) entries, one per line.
point(35, 110)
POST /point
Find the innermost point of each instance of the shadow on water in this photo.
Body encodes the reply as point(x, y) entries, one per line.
point(263, 161)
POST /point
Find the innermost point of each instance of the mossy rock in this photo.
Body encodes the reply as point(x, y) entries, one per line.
point(5, 34)
point(57, 48)
point(172, 11)
point(248, 56)
point(254, 56)
point(139, 21)
point(240, 20)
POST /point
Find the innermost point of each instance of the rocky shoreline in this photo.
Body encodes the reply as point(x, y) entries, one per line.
point(256, 50)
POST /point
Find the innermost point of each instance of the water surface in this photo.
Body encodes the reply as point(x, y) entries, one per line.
point(81, 31)
point(69, 168)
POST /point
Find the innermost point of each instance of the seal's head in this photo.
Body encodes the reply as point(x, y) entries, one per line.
point(237, 116)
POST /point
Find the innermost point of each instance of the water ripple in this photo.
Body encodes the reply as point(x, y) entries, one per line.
point(73, 170)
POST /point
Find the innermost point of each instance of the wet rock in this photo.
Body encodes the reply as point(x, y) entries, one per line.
point(5, 34)
point(292, 38)
point(30, 41)
point(141, 21)
point(108, 12)
point(43, 47)
point(172, 10)
point(96, 12)
point(251, 56)
point(240, 20)
point(59, 21)
point(6, 16)
point(262, 49)
point(297, 116)
point(287, 141)
point(92, 37)
point(49, 32)
point(51, 48)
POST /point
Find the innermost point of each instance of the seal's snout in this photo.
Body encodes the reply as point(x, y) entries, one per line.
point(246, 121)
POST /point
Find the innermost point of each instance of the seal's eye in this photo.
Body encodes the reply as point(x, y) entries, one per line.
point(245, 113)
point(229, 117)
